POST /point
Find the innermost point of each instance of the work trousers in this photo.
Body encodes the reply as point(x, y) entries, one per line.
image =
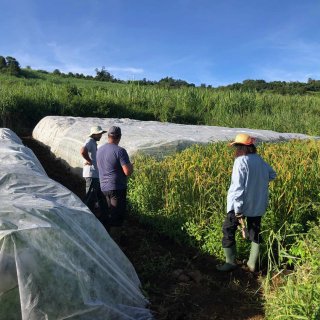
point(117, 204)
point(94, 195)
point(231, 224)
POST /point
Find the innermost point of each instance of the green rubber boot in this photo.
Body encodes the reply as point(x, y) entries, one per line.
point(254, 254)
point(230, 264)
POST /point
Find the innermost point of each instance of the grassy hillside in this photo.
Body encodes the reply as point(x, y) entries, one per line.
point(24, 101)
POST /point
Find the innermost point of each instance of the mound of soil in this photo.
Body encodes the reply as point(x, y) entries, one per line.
point(180, 283)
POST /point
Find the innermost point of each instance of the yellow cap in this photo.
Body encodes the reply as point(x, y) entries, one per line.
point(243, 138)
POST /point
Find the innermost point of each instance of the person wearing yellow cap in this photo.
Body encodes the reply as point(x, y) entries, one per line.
point(247, 199)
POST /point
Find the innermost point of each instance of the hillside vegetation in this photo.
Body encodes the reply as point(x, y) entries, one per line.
point(28, 96)
point(183, 196)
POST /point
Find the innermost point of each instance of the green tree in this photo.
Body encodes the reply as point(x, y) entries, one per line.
point(57, 72)
point(103, 75)
point(169, 82)
point(13, 66)
point(3, 63)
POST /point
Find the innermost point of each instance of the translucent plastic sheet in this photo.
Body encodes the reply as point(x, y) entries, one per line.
point(56, 259)
point(66, 135)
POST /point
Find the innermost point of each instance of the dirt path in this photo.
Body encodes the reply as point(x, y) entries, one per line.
point(180, 283)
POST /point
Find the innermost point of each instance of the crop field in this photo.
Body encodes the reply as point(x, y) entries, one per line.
point(189, 200)
point(184, 196)
point(31, 99)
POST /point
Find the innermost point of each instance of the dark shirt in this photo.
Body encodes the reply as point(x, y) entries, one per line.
point(110, 159)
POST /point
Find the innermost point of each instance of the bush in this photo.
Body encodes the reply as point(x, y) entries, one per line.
point(297, 294)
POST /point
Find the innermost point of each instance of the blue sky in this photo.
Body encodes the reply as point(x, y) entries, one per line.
point(215, 42)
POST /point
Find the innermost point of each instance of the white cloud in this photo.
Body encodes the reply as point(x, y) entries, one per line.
point(297, 60)
point(125, 69)
point(292, 45)
point(66, 58)
point(274, 74)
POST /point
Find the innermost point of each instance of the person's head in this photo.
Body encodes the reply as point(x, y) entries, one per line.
point(114, 134)
point(244, 144)
point(96, 133)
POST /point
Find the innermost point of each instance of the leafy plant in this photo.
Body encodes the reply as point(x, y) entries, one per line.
point(296, 294)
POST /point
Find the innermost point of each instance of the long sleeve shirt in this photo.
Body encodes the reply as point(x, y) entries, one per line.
point(248, 193)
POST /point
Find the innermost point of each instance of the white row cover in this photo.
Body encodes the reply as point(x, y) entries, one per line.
point(65, 136)
point(56, 259)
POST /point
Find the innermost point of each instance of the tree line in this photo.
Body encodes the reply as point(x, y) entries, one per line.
point(104, 75)
point(11, 66)
point(282, 87)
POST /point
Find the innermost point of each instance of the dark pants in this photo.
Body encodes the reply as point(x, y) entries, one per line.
point(94, 195)
point(231, 224)
point(117, 204)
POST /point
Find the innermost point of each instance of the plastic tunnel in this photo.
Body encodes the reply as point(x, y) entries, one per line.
point(65, 136)
point(56, 259)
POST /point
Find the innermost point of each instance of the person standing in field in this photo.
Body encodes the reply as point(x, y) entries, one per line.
point(114, 169)
point(90, 173)
point(247, 199)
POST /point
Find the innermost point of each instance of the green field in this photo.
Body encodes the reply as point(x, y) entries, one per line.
point(184, 195)
point(188, 204)
point(24, 101)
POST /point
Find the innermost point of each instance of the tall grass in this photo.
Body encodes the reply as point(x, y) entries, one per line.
point(184, 195)
point(37, 97)
point(295, 294)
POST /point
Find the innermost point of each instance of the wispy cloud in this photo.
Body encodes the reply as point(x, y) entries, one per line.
point(297, 59)
point(291, 44)
point(125, 69)
point(277, 74)
point(67, 57)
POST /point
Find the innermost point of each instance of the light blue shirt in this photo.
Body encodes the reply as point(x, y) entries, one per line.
point(248, 193)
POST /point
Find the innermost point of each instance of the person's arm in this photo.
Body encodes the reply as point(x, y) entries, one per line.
point(127, 169)
point(126, 165)
point(85, 154)
point(272, 173)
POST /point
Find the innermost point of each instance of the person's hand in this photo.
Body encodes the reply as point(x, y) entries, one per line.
point(88, 163)
point(243, 226)
point(239, 215)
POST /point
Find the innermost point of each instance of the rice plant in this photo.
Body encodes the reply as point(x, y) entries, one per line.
point(184, 195)
point(295, 293)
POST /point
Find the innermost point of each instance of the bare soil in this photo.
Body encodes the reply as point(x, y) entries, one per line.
point(180, 282)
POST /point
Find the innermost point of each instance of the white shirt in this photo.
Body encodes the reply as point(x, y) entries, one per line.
point(91, 171)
